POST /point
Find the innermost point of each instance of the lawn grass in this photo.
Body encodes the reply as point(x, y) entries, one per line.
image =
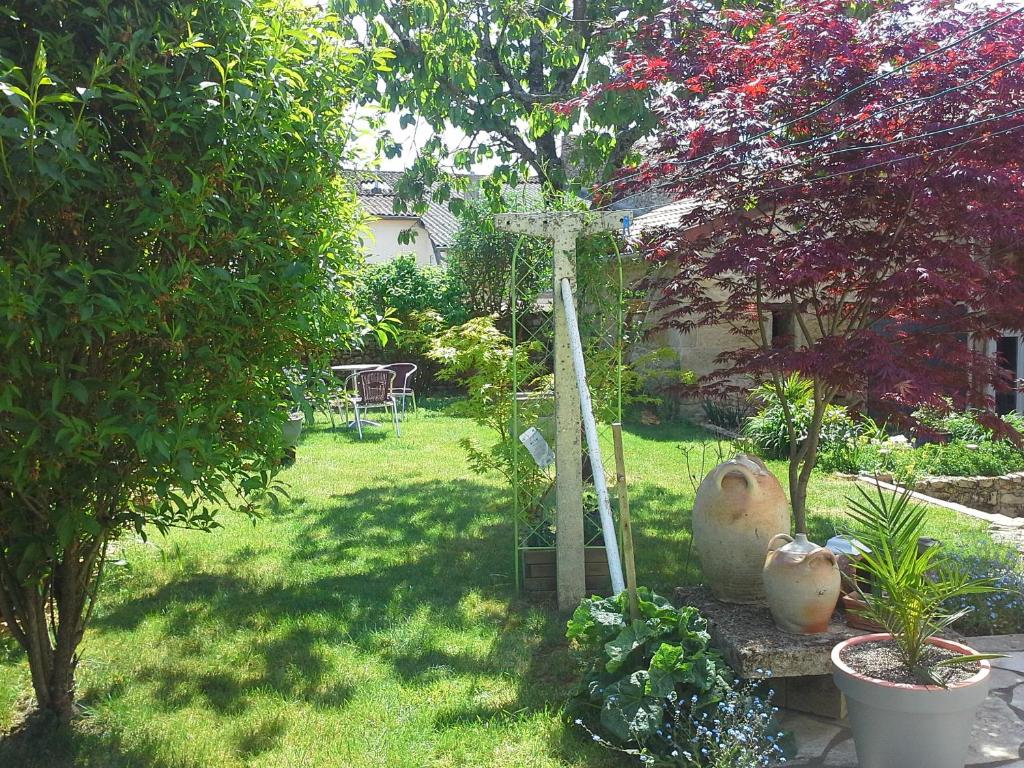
point(368, 621)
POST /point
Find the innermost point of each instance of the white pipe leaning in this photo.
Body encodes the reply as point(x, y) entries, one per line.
point(611, 544)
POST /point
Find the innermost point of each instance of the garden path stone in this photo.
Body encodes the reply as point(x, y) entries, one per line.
point(1011, 535)
point(997, 740)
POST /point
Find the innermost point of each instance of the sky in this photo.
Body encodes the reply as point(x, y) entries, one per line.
point(410, 138)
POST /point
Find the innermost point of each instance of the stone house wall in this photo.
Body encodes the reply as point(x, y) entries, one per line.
point(1001, 495)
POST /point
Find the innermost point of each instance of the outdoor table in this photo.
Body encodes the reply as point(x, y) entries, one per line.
point(350, 368)
point(354, 367)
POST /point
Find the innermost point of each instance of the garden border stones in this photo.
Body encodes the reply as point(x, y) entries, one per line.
point(1003, 494)
point(989, 517)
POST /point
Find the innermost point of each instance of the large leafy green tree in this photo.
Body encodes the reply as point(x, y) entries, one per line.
point(173, 235)
point(494, 70)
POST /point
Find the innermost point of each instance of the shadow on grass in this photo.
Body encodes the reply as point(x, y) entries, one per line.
point(41, 742)
point(365, 569)
point(678, 431)
point(361, 570)
point(665, 558)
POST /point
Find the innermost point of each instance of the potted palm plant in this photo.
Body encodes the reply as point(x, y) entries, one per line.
point(911, 694)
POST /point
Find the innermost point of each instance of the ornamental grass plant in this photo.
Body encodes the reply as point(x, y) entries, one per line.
point(913, 587)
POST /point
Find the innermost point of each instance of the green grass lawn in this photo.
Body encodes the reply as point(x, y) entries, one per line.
point(369, 621)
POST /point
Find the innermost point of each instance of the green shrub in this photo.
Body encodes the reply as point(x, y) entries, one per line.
point(727, 414)
point(767, 430)
point(1000, 612)
point(407, 289)
point(654, 688)
point(422, 303)
point(479, 356)
point(965, 459)
point(964, 425)
point(175, 235)
point(480, 264)
point(956, 459)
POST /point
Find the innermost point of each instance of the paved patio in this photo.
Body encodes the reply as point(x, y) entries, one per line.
point(997, 740)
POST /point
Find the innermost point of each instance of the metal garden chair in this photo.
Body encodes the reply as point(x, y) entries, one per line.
point(372, 389)
point(403, 388)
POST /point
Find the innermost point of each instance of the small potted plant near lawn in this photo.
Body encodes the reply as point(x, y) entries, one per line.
point(911, 694)
point(307, 390)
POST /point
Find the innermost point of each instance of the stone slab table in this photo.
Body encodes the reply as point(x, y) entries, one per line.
point(799, 665)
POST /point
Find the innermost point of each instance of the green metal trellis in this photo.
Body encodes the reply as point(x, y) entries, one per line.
point(600, 296)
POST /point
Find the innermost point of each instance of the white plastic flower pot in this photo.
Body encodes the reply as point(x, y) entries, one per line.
point(899, 725)
point(292, 429)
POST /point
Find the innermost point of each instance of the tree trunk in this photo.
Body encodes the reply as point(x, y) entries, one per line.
point(48, 621)
point(802, 461)
point(797, 495)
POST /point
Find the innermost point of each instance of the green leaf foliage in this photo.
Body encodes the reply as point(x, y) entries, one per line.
point(174, 236)
point(482, 358)
point(496, 71)
point(767, 429)
point(636, 672)
point(482, 260)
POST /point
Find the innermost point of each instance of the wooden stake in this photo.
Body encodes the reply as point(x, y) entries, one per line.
point(624, 523)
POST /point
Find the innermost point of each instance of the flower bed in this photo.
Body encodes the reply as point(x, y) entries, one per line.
point(996, 613)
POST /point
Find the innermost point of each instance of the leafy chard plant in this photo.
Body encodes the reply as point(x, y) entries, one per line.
point(632, 667)
point(653, 688)
point(911, 586)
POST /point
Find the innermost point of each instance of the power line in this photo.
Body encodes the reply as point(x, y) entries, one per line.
point(898, 159)
point(855, 89)
point(875, 79)
point(856, 148)
point(891, 161)
point(840, 129)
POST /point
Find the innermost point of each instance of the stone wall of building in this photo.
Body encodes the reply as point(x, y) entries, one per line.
point(1002, 495)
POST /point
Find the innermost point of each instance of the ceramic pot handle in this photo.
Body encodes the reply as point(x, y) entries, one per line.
point(735, 466)
point(822, 554)
point(779, 540)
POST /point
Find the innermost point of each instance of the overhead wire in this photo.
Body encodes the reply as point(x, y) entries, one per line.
point(835, 132)
point(934, 150)
point(843, 150)
point(877, 78)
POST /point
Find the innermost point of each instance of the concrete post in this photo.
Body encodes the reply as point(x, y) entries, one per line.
point(570, 567)
point(563, 228)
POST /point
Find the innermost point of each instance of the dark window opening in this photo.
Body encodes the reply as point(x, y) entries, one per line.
point(783, 328)
point(1008, 353)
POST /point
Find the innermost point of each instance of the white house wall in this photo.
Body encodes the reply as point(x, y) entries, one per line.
point(382, 245)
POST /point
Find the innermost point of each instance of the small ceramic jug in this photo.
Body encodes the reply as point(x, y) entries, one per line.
point(801, 581)
point(740, 505)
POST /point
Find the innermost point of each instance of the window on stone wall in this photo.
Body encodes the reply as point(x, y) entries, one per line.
point(782, 330)
point(1008, 350)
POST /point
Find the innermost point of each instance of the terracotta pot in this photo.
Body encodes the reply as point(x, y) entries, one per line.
point(853, 606)
point(849, 553)
point(740, 506)
point(801, 582)
point(910, 726)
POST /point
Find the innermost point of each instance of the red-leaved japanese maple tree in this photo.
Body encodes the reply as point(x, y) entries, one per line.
point(878, 199)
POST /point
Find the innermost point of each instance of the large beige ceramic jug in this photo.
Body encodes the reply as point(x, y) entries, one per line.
point(801, 581)
point(740, 506)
